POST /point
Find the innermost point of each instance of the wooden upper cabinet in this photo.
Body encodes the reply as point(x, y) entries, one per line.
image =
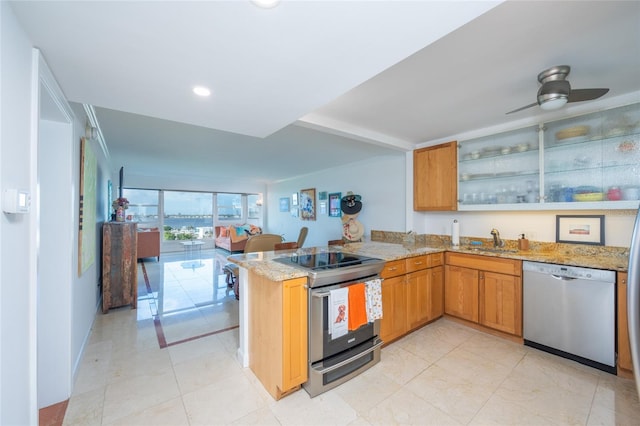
point(435, 177)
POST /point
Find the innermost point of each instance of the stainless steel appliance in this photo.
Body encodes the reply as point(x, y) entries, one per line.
point(333, 361)
point(633, 300)
point(570, 311)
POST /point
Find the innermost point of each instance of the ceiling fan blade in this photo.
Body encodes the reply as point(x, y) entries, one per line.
point(524, 107)
point(579, 95)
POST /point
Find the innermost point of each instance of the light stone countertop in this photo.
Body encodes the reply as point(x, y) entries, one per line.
point(585, 256)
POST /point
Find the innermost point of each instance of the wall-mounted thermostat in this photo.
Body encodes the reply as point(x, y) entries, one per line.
point(16, 201)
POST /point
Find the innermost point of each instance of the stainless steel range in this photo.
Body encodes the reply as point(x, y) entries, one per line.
point(333, 361)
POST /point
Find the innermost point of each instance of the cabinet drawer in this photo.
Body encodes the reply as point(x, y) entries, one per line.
point(485, 263)
point(394, 268)
point(417, 263)
point(436, 259)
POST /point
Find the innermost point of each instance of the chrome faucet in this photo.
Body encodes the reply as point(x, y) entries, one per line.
point(497, 242)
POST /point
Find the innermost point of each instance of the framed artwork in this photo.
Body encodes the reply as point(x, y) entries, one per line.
point(88, 201)
point(322, 196)
point(284, 204)
point(583, 229)
point(294, 199)
point(334, 204)
point(294, 212)
point(322, 207)
point(308, 204)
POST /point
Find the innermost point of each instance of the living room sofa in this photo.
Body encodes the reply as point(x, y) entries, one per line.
point(148, 243)
point(234, 237)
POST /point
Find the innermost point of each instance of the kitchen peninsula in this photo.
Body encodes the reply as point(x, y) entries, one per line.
point(273, 296)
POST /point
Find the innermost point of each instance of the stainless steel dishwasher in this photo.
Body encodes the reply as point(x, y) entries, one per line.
point(570, 311)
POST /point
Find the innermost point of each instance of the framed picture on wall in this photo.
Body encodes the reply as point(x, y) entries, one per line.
point(284, 204)
point(308, 204)
point(322, 207)
point(334, 204)
point(294, 199)
point(585, 229)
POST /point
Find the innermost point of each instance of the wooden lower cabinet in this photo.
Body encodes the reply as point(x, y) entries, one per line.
point(461, 293)
point(411, 300)
point(501, 302)
point(484, 290)
point(624, 349)
point(394, 309)
point(278, 333)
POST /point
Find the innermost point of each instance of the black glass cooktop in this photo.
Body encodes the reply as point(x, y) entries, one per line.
point(326, 260)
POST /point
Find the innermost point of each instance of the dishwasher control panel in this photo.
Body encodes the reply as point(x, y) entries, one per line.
point(570, 271)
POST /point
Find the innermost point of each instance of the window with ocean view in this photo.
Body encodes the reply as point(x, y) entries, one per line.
point(188, 215)
point(143, 206)
point(229, 206)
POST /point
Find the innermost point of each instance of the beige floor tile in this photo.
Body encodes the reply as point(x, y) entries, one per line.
point(428, 346)
point(222, 402)
point(547, 398)
point(457, 395)
point(260, 417)
point(205, 370)
point(325, 409)
point(365, 391)
point(617, 395)
point(93, 370)
point(130, 395)
point(550, 371)
point(405, 408)
point(474, 367)
point(126, 364)
point(400, 365)
point(85, 409)
point(169, 413)
point(498, 411)
point(502, 351)
point(208, 345)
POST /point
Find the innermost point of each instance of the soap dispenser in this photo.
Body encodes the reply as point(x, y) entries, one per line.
point(523, 243)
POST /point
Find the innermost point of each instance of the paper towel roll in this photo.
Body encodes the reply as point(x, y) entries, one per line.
point(455, 234)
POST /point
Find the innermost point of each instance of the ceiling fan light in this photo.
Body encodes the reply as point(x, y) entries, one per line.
point(555, 102)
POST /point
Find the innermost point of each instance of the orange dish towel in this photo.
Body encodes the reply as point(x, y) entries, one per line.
point(357, 306)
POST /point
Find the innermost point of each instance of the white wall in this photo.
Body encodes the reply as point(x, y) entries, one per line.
point(380, 182)
point(18, 402)
point(16, 395)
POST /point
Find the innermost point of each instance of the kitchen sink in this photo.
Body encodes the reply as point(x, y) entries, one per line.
point(491, 250)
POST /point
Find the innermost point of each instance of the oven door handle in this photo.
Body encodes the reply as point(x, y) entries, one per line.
point(350, 360)
point(320, 294)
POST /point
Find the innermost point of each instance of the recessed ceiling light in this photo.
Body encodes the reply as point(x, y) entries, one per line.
point(201, 91)
point(266, 4)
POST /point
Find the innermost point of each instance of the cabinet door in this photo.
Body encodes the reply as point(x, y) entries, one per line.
point(436, 293)
point(294, 333)
point(501, 302)
point(418, 298)
point(394, 309)
point(624, 350)
point(435, 175)
point(461, 293)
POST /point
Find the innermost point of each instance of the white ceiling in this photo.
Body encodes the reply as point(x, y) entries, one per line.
point(310, 85)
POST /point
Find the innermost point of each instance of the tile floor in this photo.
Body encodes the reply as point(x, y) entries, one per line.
point(442, 374)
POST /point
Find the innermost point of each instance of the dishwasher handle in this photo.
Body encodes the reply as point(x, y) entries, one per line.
point(562, 278)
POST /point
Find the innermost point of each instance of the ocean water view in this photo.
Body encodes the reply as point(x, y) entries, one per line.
point(196, 222)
